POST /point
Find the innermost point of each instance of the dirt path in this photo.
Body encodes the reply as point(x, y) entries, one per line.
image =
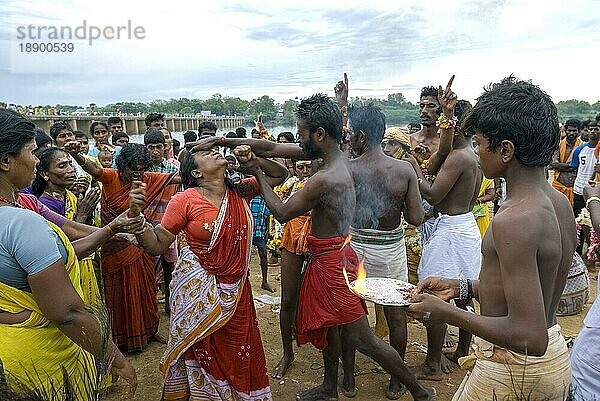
point(307, 368)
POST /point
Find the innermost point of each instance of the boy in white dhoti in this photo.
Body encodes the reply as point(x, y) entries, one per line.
point(452, 247)
point(527, 252)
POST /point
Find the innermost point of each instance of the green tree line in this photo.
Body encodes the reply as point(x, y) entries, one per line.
point(397, 109)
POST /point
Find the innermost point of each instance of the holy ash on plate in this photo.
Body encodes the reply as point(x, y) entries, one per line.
point(383, 291)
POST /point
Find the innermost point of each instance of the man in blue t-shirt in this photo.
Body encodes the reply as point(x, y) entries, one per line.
point(585, 158)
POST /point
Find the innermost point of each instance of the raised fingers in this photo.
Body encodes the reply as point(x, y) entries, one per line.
point(449, 83)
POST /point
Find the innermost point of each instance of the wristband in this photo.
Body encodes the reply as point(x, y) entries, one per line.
point(469, 289)
point(446, 123)
point(465, 287)
point(592, 199)
point(462, 288)
point(110, 231)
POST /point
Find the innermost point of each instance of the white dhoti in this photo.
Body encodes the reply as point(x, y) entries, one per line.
point(426, 228)
point(384, 252)
point(452, 249)
point(500, 374)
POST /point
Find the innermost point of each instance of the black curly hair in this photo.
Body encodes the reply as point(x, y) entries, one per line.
point(520, 112)
point(188, 164)
point(59, 126)
point(132, 156)
point(319, 110)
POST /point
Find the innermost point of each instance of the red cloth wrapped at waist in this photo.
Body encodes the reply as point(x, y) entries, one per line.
point(325, 299)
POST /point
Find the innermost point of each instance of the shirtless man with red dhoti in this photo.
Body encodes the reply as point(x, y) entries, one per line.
point(326, 302)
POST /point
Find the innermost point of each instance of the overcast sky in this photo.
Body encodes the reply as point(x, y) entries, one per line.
point(287, 49)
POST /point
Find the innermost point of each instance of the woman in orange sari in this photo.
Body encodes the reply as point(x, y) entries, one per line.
point(214, 350)
point(127, 270)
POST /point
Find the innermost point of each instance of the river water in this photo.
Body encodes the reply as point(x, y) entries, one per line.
point(220, 132)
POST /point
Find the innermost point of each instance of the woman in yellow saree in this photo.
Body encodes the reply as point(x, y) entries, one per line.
point(55, 174)
point(54, 352)
point(49, 337)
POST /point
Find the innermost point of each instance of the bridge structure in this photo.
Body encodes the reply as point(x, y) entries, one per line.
point(135, 125)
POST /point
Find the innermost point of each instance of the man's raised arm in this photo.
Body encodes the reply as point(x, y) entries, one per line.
point(275, 173)
point(264, 148)
point(260, 147)
point(447, 100)
point(434, 192)
point(300, 203)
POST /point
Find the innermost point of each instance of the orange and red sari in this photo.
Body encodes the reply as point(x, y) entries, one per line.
point(214, 350)
point(128, 271)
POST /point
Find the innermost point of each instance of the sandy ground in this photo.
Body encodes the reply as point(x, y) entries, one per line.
point(306, 370)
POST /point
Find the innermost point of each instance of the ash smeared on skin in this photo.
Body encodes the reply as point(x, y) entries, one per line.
point(373, 199)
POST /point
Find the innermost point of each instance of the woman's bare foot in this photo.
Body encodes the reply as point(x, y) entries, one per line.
point(318, 393)
point(268, 287)
point(282, 367)
point(159, 338)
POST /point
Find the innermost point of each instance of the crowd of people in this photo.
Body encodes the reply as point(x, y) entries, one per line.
point(98, 231)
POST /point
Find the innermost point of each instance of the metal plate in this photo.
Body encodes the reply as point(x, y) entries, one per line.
point(385, 291)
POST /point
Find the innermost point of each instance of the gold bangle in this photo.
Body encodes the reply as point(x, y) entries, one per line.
point(110, 231)
point(592, 199)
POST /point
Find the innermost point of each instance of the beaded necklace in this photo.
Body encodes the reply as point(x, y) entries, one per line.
point(11, 203)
